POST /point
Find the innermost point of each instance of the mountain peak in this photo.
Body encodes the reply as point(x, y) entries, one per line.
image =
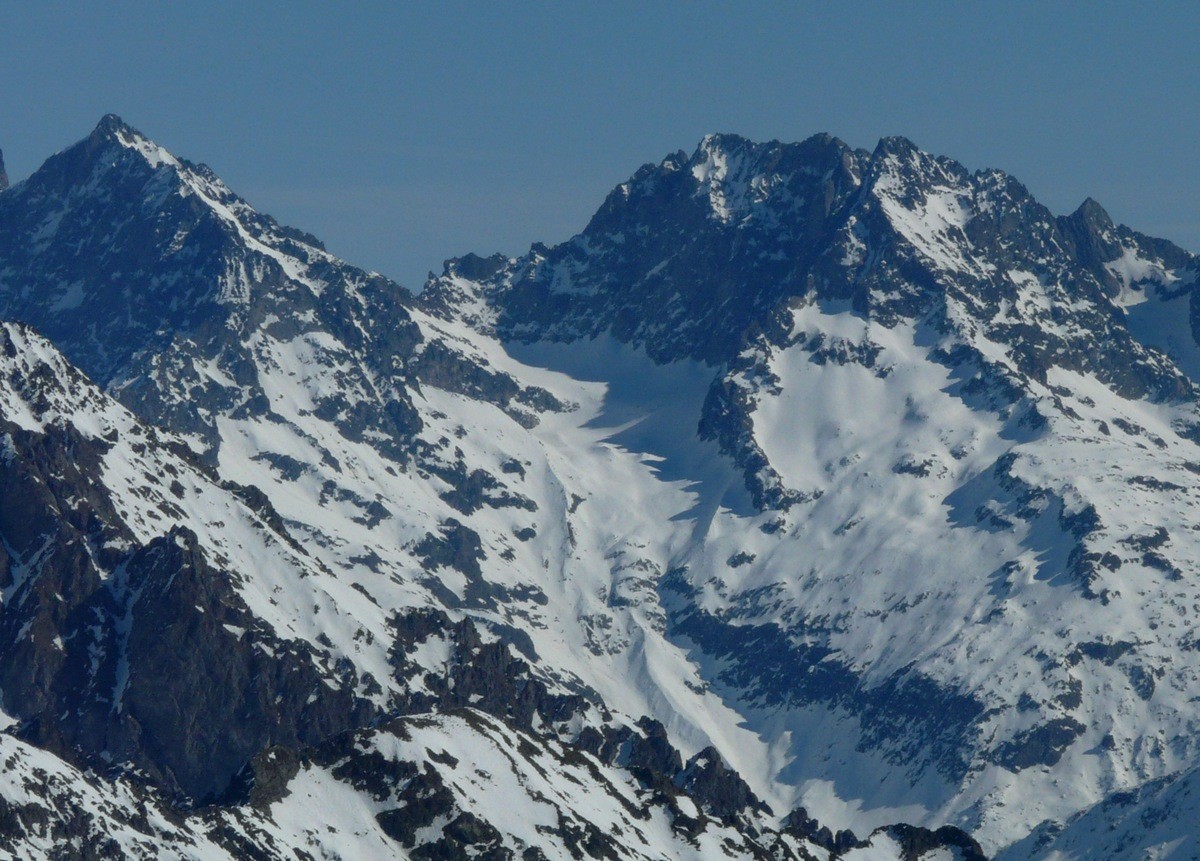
point(722, 141)
point(112, 141)
point(896, 145)
point(113, 130)
point(1092, 213)
point(1095, 238)
point(3, 175)
point(112, 124)
point(716, 154)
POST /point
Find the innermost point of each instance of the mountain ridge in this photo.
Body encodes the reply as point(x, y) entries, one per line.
point(772, 464)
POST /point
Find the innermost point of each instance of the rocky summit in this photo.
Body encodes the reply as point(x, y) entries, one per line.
point(811, 503)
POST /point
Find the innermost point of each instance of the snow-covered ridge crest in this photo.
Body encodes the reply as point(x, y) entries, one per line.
point(118, 157)
point(130, 138)
point(249, 226)
point(39, 387)
point(928, 201)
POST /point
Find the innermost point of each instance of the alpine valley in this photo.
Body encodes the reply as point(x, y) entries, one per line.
point(811, 503)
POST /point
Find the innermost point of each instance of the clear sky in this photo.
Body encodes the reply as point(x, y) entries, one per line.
point(402, 135)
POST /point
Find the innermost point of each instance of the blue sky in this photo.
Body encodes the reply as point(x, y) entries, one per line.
point(405, 134)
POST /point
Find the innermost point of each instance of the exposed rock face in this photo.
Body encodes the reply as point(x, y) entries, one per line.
point(483, 672)
point(916, 842)
point(157, 656)
point(3, 174)
point(720, 790)
point(405, 778)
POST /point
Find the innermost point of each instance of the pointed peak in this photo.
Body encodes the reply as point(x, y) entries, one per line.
point(1094, 236)
point(111, 122)
point(899, 160)
point(1092, 213)
point(113, 130)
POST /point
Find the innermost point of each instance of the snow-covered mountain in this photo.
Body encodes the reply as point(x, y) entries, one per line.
point(806, 485)
point(967, 428)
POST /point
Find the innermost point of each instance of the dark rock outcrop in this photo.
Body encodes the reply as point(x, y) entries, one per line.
point(916, 843)
point(721, 791)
